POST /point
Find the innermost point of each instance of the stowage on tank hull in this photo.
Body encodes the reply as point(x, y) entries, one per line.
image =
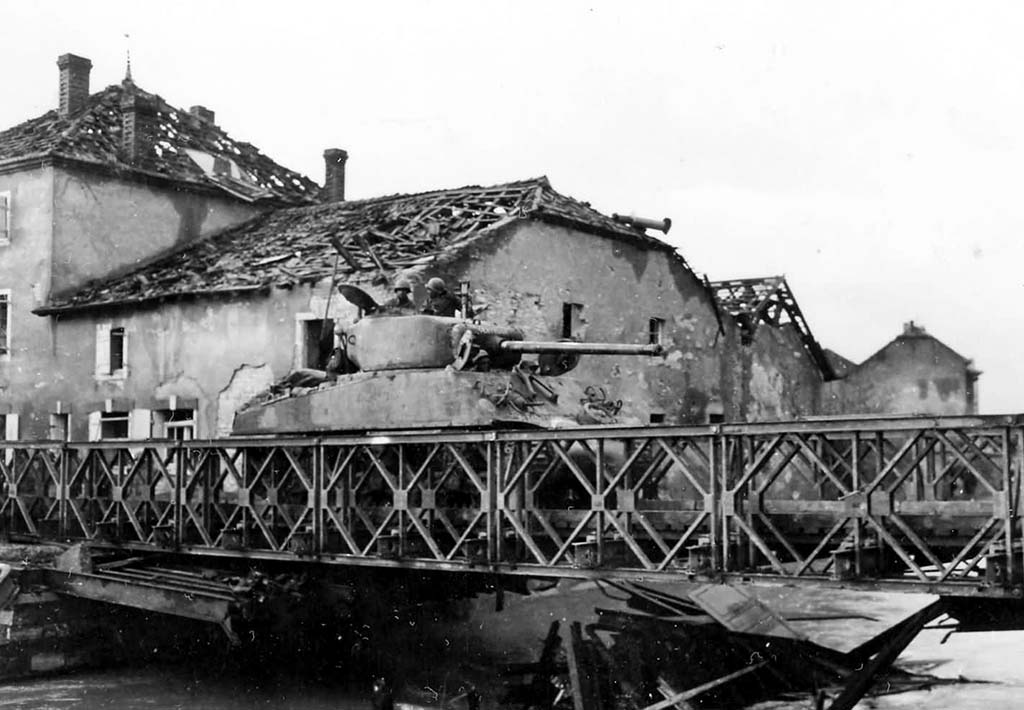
point(424, 399)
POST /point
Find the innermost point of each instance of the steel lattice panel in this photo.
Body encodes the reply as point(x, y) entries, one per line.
point(909, 503)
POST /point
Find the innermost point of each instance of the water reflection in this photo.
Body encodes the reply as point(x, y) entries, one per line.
point(167, 688)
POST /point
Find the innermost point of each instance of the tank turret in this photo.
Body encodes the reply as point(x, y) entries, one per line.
point(405, 372)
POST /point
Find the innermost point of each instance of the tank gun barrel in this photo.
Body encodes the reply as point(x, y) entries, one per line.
point(574, 348)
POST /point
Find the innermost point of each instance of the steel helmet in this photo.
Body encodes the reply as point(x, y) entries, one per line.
point(436, 285)
point(402, 283)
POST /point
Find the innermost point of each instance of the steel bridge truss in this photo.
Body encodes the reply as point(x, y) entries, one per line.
point(902, 503)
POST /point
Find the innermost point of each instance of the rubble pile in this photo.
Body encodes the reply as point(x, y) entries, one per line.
point(665, 651)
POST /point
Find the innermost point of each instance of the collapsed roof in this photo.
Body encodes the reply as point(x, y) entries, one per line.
point(769, 300)
point(179, 146)
point(381, 235)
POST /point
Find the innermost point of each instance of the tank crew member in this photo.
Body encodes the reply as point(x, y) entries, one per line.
point(402, 300)
point(441, 302)
point(339, 363)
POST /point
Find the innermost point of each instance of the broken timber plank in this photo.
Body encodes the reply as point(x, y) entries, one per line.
point(741, 613)
point(368, 248)
point(705, 687)
point(201, 605)
point(582, 673)
point(541, 688)
point(346, 254)
point(609, 662)
point(861, 681)
point(667, 691)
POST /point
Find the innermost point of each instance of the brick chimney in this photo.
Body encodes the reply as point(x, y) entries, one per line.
point(913, 330)
point(334, 176)
point(74, 82)
point(138, 123)
point(204, 114)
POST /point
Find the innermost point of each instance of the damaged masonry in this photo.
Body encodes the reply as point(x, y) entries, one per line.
point(622, 483)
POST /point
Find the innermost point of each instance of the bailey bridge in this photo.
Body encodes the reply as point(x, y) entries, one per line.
point(911, 504)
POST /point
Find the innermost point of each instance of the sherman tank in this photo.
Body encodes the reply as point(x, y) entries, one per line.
point(405, 372)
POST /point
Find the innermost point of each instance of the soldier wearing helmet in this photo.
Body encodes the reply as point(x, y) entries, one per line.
point(402, 300)
point(440, 301)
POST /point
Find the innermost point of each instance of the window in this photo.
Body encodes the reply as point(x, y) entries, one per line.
point(316, 340)
point(120, 421)
point(5, 322)
point(116, 349)
point(113, 425)
point(571, 319)
point(177, 424)
point(656, 331)
point(60, 427)
point(5, 218)
point(111, 351)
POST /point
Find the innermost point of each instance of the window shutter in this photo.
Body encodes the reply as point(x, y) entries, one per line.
point(11, 427)
point(140, 424)
point(94, 426)
point(5, 323)
point(103, 349)
point(10, 434)
point(5, 217)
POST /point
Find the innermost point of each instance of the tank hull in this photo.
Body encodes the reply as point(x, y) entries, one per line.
point(426, 399)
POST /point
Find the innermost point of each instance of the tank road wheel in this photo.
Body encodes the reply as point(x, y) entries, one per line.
point(464, 351)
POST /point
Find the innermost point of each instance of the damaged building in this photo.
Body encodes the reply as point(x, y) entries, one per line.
point(159, 273)
point(102, 182)
point(214, 323)
point(914, 373)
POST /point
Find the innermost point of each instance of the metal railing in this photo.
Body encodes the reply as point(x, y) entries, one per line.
point(902, 503)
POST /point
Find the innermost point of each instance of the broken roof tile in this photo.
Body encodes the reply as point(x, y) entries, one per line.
point(399, 231)
point(93, 135)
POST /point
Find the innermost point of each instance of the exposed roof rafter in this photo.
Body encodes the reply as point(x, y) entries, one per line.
point(769, 300)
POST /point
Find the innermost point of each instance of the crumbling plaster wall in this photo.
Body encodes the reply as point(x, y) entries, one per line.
point(103, 224)
point(217, 351)
point(526, 274)
point(25, 272)
point(911, 375)
point(781, 379)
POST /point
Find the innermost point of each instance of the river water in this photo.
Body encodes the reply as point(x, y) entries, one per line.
point(997, 658)
point(176, 687)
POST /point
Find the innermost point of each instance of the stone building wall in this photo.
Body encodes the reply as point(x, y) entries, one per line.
point(914, 374)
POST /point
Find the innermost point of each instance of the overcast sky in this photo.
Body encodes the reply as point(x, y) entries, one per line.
point(872, 151)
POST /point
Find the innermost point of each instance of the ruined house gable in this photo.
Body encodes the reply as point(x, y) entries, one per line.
point(768, 301)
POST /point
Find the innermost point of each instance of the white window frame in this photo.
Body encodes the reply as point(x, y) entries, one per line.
point(125, 416)
point(5, 217)
point(103, 371)
point(10, 426)
point(5, 343)
point(164, 429)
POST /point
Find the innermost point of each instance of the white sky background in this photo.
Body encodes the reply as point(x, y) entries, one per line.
point(870, 151)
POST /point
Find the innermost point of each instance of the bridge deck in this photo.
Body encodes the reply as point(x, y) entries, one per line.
point(907, 504)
